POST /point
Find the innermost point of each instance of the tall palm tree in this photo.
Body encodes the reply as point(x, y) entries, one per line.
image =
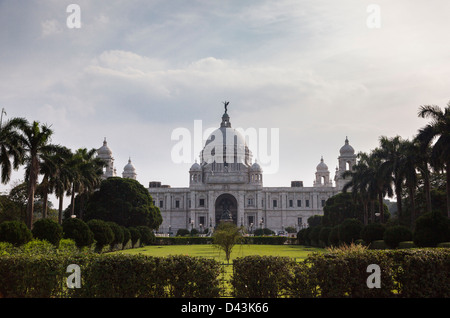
point(390, 153)
point(50, 167)
point(11, 147)
point(360, 180)
point(36, 142)
point(62, 181)
point(439, 129)
point(87, 171)
point(423, 157)
point(409, 164)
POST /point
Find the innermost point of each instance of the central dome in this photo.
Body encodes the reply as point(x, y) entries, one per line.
point(226, 145)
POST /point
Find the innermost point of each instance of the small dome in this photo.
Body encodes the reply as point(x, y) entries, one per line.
point(347, 150)
point(195, 167)
point(322, 166)
point(104, 150)
point(129, 167)
point(256, 167)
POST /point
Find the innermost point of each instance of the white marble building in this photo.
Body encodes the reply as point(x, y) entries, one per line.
point(226, 184)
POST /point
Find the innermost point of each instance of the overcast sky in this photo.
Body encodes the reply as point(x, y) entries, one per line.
point(137, 70)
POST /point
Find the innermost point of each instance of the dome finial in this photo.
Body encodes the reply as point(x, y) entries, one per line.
point(225, 117)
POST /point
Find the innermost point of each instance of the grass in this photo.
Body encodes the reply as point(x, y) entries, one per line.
point(297, 252)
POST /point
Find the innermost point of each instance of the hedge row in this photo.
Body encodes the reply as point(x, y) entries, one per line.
point(188, 240)
point(114, 275)
point(403, 273)
point(339, 273)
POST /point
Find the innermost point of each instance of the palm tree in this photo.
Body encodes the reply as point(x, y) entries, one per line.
point(360, 180)
point(390, 153)
point(36, 142)
point(62, 181)
point(438, 128)
point(87, 171)
point(410, 163)
point(50, 167)
point(11, 147)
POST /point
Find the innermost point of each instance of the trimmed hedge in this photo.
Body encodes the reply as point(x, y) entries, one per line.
point(343, 274)
point(261, 276)
point(114, 275)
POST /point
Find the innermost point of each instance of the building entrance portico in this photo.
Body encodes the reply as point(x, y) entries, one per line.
point(226, 208)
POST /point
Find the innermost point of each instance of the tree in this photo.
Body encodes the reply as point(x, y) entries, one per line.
point(86, 172)
point(36, 142)
point(438, 128)
point(11, 147)
point(51, 167)
point(125, 202)
point(62, 180)
point(390, 153)
point(225, 237)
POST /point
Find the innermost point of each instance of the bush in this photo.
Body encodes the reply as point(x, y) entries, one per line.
point(324, 235)
point(261, 276)
point(78, 231)
point(301, 237)
point(147, 236)
point(67, 246)
point(103, 235)
point(314, 235)
point(343, 272)
point(261, 232)
point(431, 229)
point(372, 232)
point(49, 230)
point(118, 234)
point(183, 232)
point(126, 236)
point(378, 245)
point(333, 237)
point(135, 235)
point(396, 234)
point(15, 232)
point(350, 231)
point(36, 246)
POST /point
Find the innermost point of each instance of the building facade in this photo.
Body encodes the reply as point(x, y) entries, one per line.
point(228, 186)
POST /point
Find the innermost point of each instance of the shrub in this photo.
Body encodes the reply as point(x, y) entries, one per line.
point(15, 232)
point(78, 231)
point(103, 235)
point(314, 235)
point(343, 272)
point(67, 246)
point(372, 232)
point(396, 234)
point(378, 245)
point(147, 236)
point(301, 237)
point(431, 229)
point(118, 233)
point(7, 248)
point(49, 230)
point(183, 232)
point(36, 246)
point(135, 235)
point(261, 232)
point(406, 244)
point(261, 276)
point(324, 235)
point(126, 236)
point(333, 237)
point(350, 230)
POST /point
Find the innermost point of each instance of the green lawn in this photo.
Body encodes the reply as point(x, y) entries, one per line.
point(294, 251)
